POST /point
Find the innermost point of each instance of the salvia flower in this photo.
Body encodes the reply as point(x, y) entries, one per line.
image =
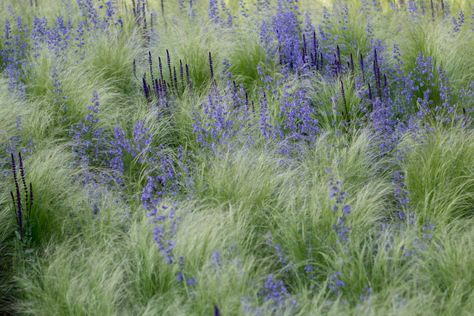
point(336, 284)
point(89, 142)
point(276, 292)
point(299, 120)
point(341, 227)
point(286, 29)
point(213, 11)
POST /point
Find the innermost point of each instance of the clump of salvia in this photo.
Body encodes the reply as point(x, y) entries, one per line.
point(22, 202)
point(211, 67)
point(344, 102)
point(217, 311)
point(139, 10)
point(159, 87)
point(378, 84)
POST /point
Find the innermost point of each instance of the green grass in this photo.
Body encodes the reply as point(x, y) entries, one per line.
point(92, 250)
point(440, 175)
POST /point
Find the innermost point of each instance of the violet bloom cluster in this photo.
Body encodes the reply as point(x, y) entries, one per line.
point(88, 138)
point(164, 182)
point(123, 148)
point(279, 253)
point(224, 116)
point(299, 120)
point(384, 125)
point(336, 284)
point(286, 30)
point(56, 36)
point(213, 11)
point(276, 292)
point(401, 193)
point(89, 13)
point(165, 231)
point(266, 128)
point(341, 227)
point(13, 54)
point(211, 126)
point(181, 277)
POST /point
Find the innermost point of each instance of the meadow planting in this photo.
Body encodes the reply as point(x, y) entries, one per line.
point(236, 157)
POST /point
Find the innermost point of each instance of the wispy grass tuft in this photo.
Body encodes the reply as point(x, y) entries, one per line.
point(440, 175)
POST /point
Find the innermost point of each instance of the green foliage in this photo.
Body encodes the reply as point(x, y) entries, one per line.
point(440, 175)
point(243, 212)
